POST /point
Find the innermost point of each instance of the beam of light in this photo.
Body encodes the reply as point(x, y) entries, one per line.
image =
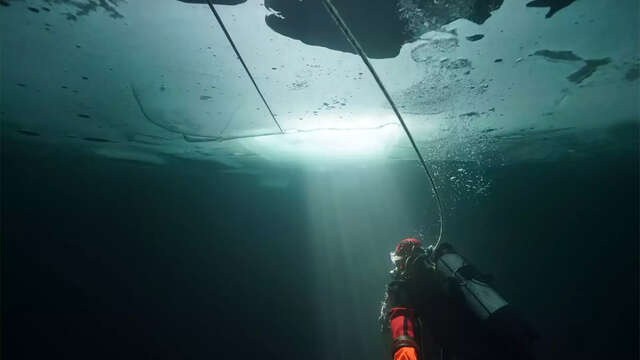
point(355, 216)
point(327, 145)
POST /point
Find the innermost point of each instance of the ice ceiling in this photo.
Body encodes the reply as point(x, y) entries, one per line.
point(476, 80)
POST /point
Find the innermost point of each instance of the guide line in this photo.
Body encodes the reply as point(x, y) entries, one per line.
point(335, 15)
point(235, 49)
point(356, 45)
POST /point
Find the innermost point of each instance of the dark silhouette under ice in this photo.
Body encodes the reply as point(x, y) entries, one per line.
point(553, 5)
point(590, 66)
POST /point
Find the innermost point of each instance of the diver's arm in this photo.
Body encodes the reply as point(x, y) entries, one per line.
point(402, 324)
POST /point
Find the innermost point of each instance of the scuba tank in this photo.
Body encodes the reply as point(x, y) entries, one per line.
point(482, 299)
point(506, 329)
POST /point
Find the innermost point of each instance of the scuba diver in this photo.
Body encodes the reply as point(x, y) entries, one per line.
point(438, 306)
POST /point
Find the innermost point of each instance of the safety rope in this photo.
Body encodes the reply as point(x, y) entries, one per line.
point(356, 45)
point(235, 49)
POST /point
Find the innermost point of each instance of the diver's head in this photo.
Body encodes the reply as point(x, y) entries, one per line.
point(406, 250)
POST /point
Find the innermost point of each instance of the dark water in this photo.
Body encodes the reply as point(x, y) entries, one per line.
point(112, 259)
point(106, 258)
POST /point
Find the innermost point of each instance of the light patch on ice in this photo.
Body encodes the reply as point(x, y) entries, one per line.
point(326, 145)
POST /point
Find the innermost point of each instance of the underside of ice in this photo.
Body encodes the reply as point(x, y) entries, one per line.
point(481, 82)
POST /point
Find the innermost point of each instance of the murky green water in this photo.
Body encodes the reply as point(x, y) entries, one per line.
point(152, 209)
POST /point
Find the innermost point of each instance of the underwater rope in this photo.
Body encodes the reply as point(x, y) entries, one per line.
point(235, 49)
point(356, 45)
point(349, 35)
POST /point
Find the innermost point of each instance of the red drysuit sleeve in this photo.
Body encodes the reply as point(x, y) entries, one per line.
point(403, 325)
